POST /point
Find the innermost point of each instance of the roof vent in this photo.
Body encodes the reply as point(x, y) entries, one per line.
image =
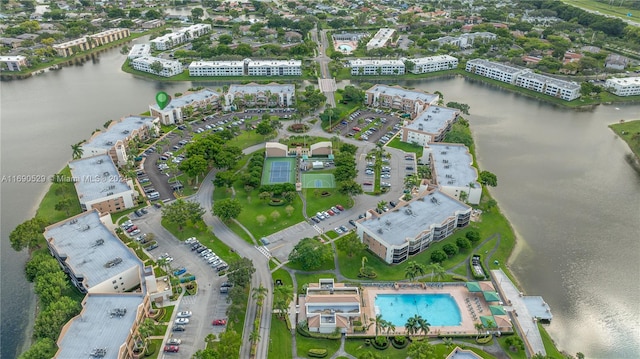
point(98, 352)
point(98, 242)
point(99, 161)
point(105, 173)
point(114, 262)
point(118, 312)
point(85, 228)
point(380, 230)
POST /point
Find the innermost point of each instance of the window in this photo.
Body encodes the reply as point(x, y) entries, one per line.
point(114, 282)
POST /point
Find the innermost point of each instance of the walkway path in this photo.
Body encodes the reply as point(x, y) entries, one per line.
point(341, 351)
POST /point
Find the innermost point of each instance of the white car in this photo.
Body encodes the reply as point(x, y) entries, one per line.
point(182, 321)
point(184, 314)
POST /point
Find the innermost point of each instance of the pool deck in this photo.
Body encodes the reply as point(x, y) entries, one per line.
point(457, 290)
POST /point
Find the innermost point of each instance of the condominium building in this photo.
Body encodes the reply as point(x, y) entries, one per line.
point(329, 306)
point(139, 50)
point(431, 125)
point(453, 171)
point(172, 113)
point(107, 327)
point(494, 70)
point(465, 41)
point(183, 35)
point(169, 67)
point(254, 95)
point(100, 186)
point(274, 68)
point(412, 226)
point(348, 36)
point(398, 98)
point(376, 67)
point(382, 38)
point(115, 140)
point(69, 48)
point(524, 78)
point(14, 63)
point(431, 64)
point(547, 85)
point(625, 86)
point(216, 68)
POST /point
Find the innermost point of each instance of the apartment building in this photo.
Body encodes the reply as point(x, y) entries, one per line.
point(216, 68)
point(432, 64)
point(181, 36)
point(100, 186)
point(139, 50)
point(172, 113)
point(494, 70)
point(169, 67)
point(274, 68)
point(382, 38)
point(398, 98)
point(85, 43)
point(465, 41)
point(547, 85)
point(431, 125)
point(14, 63)
point(412, 226)
point(254, 95)
point(363, 67)
point(624, 86)
point(115, 140)
point(453, 171)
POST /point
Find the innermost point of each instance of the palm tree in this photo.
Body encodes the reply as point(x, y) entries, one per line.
point(259, 293)
point(479, 327)
point(380, 323)
point(423, 325)
point(412, 325)
point(254, 336)
point(164, 264)
point(77, 150)
point(437, 271)
point(391, 328)
point(282, 297)
point(413, 270)
point(146, 329)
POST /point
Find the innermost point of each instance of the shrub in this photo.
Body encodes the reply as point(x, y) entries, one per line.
point(399, 342)
point(317, 353)
point(485, 340)
point(367, 342)
point(357, 323)
point(380, 343)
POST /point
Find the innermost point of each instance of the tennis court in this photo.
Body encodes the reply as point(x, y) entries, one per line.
point(318, 180)
point(279, 170)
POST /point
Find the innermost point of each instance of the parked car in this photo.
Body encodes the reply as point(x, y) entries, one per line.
point(352, 222)
point(171, 348)
point(174, 341)
point(182, 321)
point(184, 314)
point(180, 271)
point(331, 213)
point(315, 219)
point(152, 247)
point(339, 207)
point(338, 230)
point(219, 322)
point(227, 284)
point(179, 328)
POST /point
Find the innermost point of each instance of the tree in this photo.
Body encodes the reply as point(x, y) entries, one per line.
point(473, 236)
point(351, 244)
point(275, 215)
point(463, 243)
point(261, 219)
point(487, 178)
point(310, 254)
point(254, 336)
point(438, 256)
point(146, 329)
point(282, 296)
point(77, 150)
point(479, 328)
point(28, 234)
point(289, 209)
point(411, 325)
point(225, 39)
point(229, 345)
point(197, 13)
point(227, 208)
point(43, 348)
point(437, 271)
point(64, 205)
point(194, 166)
point(157, 67)
point(450, 249)
point(50, 286)
point(350, 187)
point(264, 128)
point(259, 293)
point(353, 94)
point(413, 270)
point(50, 321)
point(40, 264)
point(380, 323)
point(240, 271)
point(181, 212)
point(421, 350)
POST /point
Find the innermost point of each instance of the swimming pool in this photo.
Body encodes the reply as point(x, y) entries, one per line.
point(345, 48)
point(437, 309)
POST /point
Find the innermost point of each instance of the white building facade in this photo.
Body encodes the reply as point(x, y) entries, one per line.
point(14, 63)
point(169, 67)
point(216, 68)
point(274, 68)
point(360, 67)
point(432, 64)
point(625, 86)
point(255, 95)
point(183, 35)
point(382, 38)
point(172, 113)
point(139, 50)
point(547, 85)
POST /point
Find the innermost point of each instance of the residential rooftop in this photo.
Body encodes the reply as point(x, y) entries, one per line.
point(432, 59)
point(400, 92)
point(453, 164)
point(185, 100)
point(255, 88)
point(551, 80)
point(625, 81)
point(408, 220)
point(275, 63)
point(432, 120)
point(497, 66)
point(120, 130)
point(102, 324)
point(97, 177)
point(89, 246)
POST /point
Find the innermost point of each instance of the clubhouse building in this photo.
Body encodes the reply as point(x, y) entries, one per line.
point(329, 306)
point(172, 113)
point(412, 226)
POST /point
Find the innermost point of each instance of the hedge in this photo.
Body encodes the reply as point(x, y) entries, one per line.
point(317, 353)
point(306, 333)
point(399, 345)
point(380, 343)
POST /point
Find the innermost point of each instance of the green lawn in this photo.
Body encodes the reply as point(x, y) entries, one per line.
point(304, 344)
point(283, 275)
point(605, 8)
point(406, 147)
point(247, 139)
point(240, 232)
point(317, 203)
point(549, 345)
point(520, 354)
point(279, 340)
point(205, 236)
point(326, 265)
point(168, 312)
point(56, 193)
point(156, 343)
point(159, 329)
point(630, 132)
point(356, 347)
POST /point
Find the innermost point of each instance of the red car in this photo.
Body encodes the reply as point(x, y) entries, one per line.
point(339, 207)
point(131, 229)
point(171, 348)
point(330, 212)
point(220, 322)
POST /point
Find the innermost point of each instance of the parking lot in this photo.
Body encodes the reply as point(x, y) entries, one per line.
point(370, 125)
point(207, 305)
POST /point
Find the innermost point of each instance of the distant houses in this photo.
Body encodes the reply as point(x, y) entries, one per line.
point(72, 47)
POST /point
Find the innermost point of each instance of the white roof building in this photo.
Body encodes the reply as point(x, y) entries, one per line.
point(255, 95)
point(624, 86)
point(453, 171)
point(169, 67)
point(274, 68)
point(376, 67)
point(14, 63)
point(216, 68)
point(494, 70)
point(433, 63)
point(467, 40)
point(566, 90)
point(183, 35)
point(398, 98)
point(172, 113)
point(431, 125)
point(382, 38)
point(139, 50)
